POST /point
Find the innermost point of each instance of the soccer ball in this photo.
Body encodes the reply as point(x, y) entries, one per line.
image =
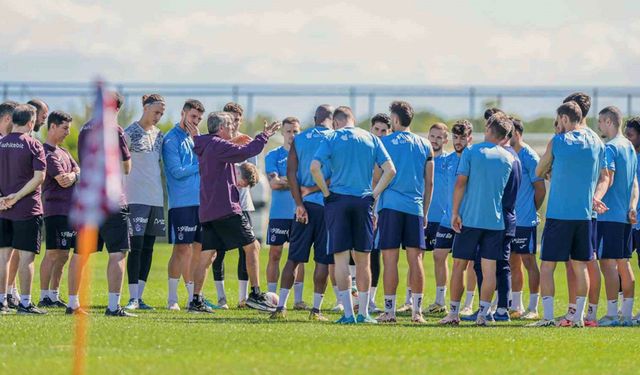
point(272, 298)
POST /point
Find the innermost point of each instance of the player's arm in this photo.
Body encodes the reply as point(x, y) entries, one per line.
point(173, 163)
point(318, 177)
point(458, 194)
point(539, 192)
point(294, 187)
point(428, 189)
point(377, 173)
point(544, 166)
point(633, 204)
point(28, 188)
point(601, 189)
point(276, 182)
point(388, 172)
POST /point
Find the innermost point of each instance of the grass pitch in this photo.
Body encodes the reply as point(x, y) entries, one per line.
point(246, 341)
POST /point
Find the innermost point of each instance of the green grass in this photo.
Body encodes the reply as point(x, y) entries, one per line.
point(245, 341)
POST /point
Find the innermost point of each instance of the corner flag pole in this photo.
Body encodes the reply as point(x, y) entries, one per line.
point(87, 239)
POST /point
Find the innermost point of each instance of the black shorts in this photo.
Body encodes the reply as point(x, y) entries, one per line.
point(230, 232)
point(59, 233)
point(114, 233)
point(21, 234)
point(147, 220)
point(430, 235)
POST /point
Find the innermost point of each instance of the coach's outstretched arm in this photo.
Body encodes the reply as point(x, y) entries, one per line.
point(318, 177)
point(544, 166)
point(28, 188)
point(458, 193)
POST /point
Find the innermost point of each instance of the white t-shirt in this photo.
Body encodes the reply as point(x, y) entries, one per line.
point(144, 184)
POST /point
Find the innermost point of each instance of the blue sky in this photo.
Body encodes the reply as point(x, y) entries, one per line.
point(387, 42)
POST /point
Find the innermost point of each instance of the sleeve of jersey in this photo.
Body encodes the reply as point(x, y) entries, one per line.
point(464, 167)
point(530, 162)
point(54, 167)
point(39, 162)
point(323, 153)
point(609, 158)
point(382, 156)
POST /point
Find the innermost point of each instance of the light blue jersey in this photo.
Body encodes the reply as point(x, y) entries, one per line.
point(351, 153)
point(488, 167)
point(409, 153)
point(307, 143)
point(526, 213)
point(621, 159)
point(578, 157)
point(451, 171)
point(282, 204)
point(439, 197)
point(180, 169)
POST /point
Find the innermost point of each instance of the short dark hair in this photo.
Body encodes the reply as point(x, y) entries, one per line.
point(582, 100)
point(57, 118)
point(383, 118)
point(323, 112)
point(119, 99)
point(234, 108)
point(39, 104)
point(344, 112)
point(518, 126)
point(152, 99)
point(500, 125)
point(462, 127)
point(190, 104)
point(572, 110)
point(290, 120)
point(633, 123)
point(23, 114)
point(491, 111)
point(403, 110)
point(6, 108)
point(614, 114)
point(249, 172)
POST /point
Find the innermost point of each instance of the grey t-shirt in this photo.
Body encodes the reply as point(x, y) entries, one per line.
point(245, 193)
point(144, 184)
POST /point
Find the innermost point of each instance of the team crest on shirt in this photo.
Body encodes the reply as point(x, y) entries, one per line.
point(345, 137)
point(309, 135)
point(395, 141)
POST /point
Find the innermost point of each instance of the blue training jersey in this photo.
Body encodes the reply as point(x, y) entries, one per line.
point(410, 154)
point(451, 171)
point(439, 197)
point(527, 215)
point(282, 204)
point(181, 171)
point(637, 226)
point(511, 194)
point(621, 160)
point(351, 153)
point(306, 144)
point(488, 167)
point(578, 157)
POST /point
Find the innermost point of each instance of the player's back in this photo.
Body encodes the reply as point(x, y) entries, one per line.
point(306, 144)
point(577, 158)
point(525, 201)
point(409, 153)
point(621, 158)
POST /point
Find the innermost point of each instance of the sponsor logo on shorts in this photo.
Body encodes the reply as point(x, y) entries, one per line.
point(158, 221)
point(519, 241)
point(186, 228)
point(279, 231)
point(140, 220)
point(447, 236)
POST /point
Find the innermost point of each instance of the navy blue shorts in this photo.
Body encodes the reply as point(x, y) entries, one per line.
point(184, 225)
point(444, 238)
point(614, 240)
point(430, 235)
point(278, 231)
point(489, 244)
point(567, 239)
point(314, 233)
point(397, 229)
point(636, 239)
point(525, 241)
point(349, 222)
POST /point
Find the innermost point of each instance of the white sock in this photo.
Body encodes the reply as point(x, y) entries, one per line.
point(612, 308)
point(592, 312)
point(484, 308)
point(336, 291)
point(627, 308)
point(15, 293)
point(440, 293)
point(345, 298)
point(372, 295)
point(141, 285)
point(25, 300)
point(416, 303)
point(272, 287)
point(242, 289)
point(220, 290)
point(547, 305)
point(407, 297)
point(581, 301)
point(298, 288)
point(284, 296)
point(454, 308)
point(390, 304)
point(43, 293)
point(317, 300)
point(189, 287)
point(133, 291)
point(114, 300)
point(533, 301)
point(571, 311)
point(468, 299)
point(173, 290)
point(74, 303)
point(363, 303)
point(352, 272)
point(54, 295)
point(516, 301)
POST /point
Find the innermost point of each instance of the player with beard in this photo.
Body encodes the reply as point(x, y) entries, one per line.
point(42, 113)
